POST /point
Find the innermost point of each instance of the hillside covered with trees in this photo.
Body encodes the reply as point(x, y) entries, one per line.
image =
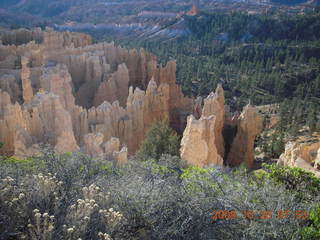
point(262, 58)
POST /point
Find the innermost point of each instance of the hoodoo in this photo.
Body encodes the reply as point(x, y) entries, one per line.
point(203, 142)
point(89, 95)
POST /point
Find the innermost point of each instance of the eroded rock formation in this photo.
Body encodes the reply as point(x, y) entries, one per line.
point(88, 95)
point(102, 99)
point(9, 84)
point(129, 124)
point(317, 161)
point(203, 141)
point(304, 153)
point(27, 91)
point(57, 80)
point(248, 127)
point(7, 112)
point(95, 146)
point(214, 105)
point(115, 88)
point(198, 145)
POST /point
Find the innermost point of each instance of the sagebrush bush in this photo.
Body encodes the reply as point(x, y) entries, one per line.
point(73, 196)
point(57, 199)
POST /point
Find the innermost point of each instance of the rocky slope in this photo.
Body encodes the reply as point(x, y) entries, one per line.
point(59, 89)
point(303, 152)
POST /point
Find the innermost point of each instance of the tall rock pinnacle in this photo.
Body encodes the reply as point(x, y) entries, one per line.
point(25, 79)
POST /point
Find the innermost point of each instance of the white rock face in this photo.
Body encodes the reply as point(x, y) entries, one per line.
point(303, 153)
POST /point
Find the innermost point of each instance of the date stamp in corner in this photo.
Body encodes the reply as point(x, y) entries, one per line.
point(258, 214)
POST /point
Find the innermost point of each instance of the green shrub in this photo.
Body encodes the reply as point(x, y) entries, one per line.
point(29, 163)
point(312, 232)
point(196, 179)
point(107, 167)
point(260, 174)
point(306, 184)
point(193, 171)
point(160, 139)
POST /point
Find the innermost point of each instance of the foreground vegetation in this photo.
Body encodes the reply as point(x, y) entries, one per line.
point(73, 196)
point(154, 196)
